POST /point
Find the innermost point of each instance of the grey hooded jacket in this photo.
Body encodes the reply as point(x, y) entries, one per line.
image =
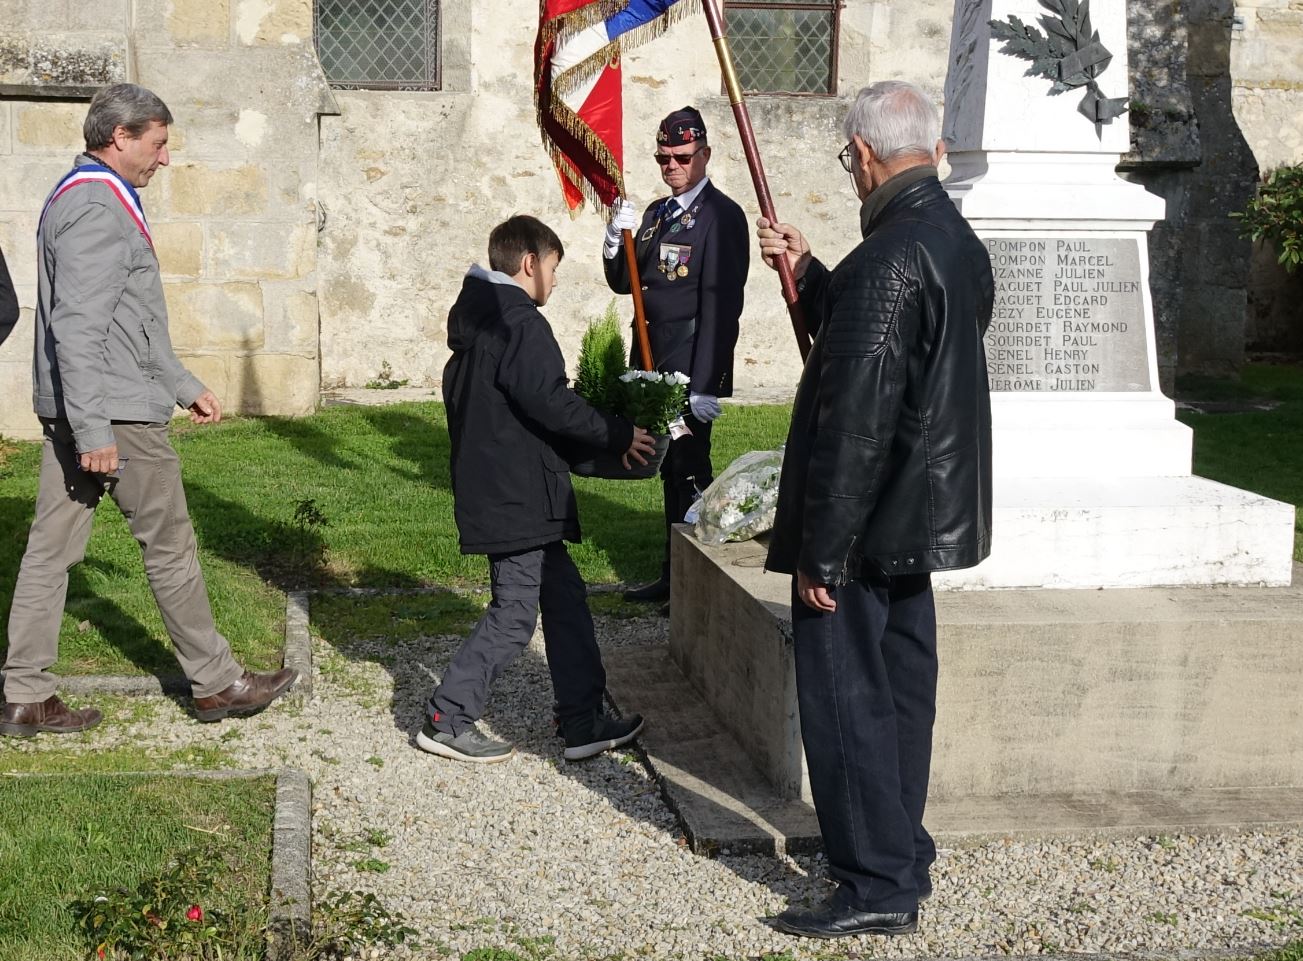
point(102, 348)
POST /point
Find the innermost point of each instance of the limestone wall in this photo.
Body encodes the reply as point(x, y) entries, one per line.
point(412, 182)
point(234, 217)
point(308, 238)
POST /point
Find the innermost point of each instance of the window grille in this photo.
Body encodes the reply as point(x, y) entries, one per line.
point(781, 46)
point(379, 44)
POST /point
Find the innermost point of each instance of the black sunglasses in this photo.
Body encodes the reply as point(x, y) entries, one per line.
point(683, 159)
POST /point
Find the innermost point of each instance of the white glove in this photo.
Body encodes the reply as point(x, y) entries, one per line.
point(624, 216)
point(704, 407)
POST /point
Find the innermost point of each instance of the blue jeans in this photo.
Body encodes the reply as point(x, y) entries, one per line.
point(866, 677)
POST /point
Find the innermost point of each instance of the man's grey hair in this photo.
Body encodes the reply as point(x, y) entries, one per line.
point(122, 105)
point(896, 119)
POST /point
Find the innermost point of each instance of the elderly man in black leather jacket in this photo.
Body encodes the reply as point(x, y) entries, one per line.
point(886, 478)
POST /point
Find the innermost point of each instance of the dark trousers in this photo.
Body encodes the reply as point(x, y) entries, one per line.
point(685, 473)
point(543, 579)
point(866, 677)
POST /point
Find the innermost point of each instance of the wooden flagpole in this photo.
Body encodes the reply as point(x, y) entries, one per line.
point(639, 312)
point(747, 133)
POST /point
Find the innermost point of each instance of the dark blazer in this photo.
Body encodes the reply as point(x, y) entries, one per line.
point(8, 301)
point(692, 320)
point(508, 407)
point(888, 460)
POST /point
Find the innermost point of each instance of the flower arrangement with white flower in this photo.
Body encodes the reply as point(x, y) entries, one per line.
point(741, 502)
point(650, 399)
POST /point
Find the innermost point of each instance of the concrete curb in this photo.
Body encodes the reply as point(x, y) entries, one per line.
point(298, 643)
point(289, 912)
point(174, 684)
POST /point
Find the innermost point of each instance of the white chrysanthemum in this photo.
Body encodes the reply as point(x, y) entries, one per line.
point(629, 376)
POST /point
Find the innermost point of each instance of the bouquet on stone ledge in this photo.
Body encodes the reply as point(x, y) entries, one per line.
point(648, 398)
point(742, 501)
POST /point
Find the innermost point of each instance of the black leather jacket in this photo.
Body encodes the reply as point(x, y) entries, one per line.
point(888, 460)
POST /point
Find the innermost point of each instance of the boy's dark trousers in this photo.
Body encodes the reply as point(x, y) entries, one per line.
point(866, 677)
point(524, 583)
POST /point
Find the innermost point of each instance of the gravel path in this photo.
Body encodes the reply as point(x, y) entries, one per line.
point(479, 856)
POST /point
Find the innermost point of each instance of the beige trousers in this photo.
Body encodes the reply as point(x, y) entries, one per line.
point(150, 496)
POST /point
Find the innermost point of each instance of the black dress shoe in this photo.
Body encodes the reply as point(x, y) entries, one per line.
point(835, 920)
point(657, 590)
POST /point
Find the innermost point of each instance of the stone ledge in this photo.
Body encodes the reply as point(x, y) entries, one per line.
point(726, 805)
point(1041, 692)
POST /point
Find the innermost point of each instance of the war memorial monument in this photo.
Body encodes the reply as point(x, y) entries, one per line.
point(1129, 657)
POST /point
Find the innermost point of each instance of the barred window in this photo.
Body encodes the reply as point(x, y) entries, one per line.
point(780, 46)
point(379, 44)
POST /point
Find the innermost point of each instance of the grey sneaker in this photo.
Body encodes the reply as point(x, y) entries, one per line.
point(591, 735)
point(470, 745)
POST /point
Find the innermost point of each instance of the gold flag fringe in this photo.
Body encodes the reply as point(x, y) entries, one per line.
point(561, 28)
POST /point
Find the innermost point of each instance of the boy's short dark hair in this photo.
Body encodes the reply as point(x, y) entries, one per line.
point(512, 239)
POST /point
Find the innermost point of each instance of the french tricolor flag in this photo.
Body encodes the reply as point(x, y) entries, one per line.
point(577, 87)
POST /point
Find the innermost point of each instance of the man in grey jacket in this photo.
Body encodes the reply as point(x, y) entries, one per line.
point(105, 384)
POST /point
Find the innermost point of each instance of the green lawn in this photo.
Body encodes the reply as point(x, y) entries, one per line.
point(68, 838)
point(377, 478)
point(370, 488)
point(1258, 450)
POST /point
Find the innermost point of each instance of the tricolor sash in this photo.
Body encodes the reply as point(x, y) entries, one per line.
point(98, 173)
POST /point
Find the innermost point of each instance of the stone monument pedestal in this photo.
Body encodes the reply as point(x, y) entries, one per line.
point(1042, 693)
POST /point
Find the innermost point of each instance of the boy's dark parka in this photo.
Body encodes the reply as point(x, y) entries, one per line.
point(509, 409)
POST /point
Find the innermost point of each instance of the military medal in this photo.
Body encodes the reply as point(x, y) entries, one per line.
point(671, 257)
point(680, 266)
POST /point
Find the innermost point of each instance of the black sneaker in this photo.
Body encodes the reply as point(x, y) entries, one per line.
point(470, 745)
point(592, 734)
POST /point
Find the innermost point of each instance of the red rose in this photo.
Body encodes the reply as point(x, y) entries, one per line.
point(196, 913)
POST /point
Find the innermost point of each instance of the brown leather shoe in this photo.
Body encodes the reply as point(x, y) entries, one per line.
point(248, 695)
point(25, 720)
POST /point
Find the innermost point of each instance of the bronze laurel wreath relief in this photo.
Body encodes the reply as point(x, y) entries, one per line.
point(1068, 54)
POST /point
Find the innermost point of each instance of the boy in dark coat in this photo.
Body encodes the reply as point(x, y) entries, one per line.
point(509, 407)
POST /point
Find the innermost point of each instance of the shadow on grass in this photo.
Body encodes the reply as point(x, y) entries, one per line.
point(110, 620)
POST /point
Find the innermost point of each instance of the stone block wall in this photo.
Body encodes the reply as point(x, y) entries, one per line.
point(1267, 96)
point(302, 250)
point(412, 182)
point(235, 214)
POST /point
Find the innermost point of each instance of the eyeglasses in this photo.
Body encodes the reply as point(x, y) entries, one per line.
point(681, 159)
point(845, 157)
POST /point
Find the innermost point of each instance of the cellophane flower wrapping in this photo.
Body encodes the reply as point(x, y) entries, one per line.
point(740, 503)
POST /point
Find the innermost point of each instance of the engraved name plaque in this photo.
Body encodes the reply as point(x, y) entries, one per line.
point(1069, 315)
